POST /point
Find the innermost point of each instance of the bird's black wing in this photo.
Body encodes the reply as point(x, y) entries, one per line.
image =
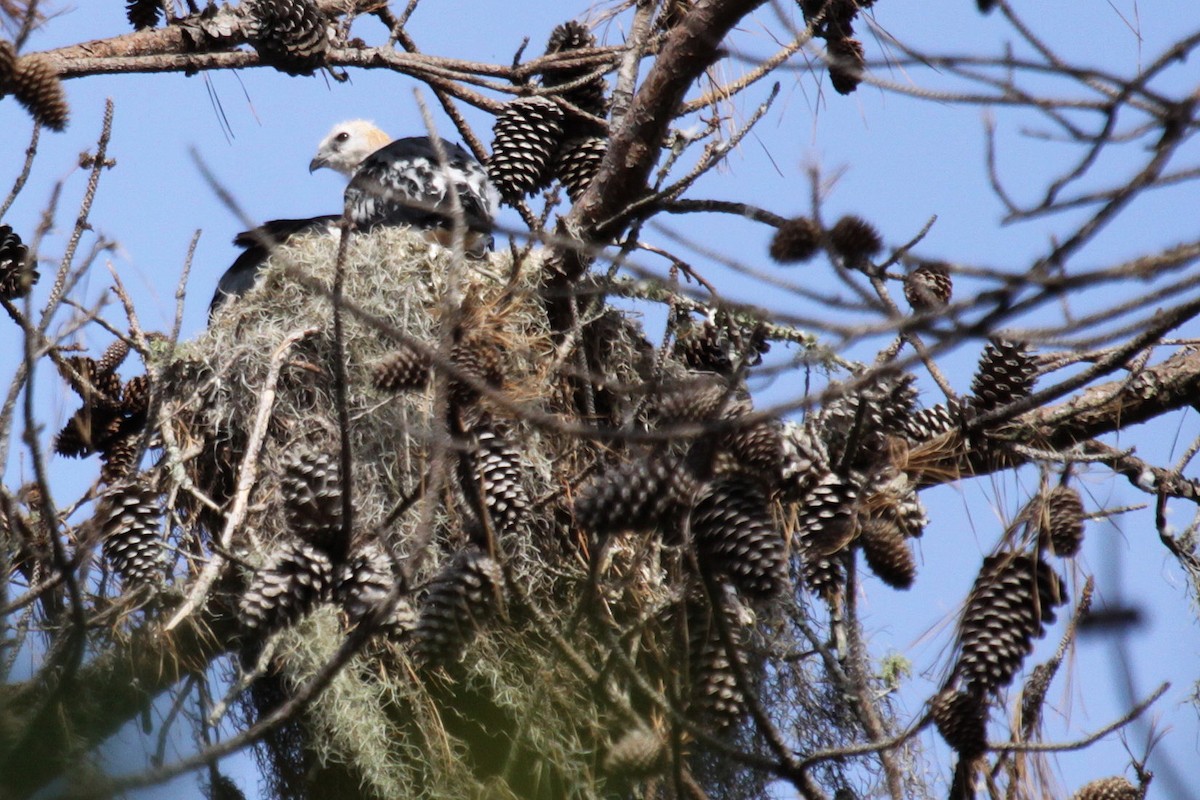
point(404, 184)
point(258, 244)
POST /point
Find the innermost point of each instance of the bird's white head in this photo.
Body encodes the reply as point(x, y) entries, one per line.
point(347, 145)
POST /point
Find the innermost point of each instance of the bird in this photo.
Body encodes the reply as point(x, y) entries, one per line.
point(406, 182)
point(401, 182)
point(257, 245)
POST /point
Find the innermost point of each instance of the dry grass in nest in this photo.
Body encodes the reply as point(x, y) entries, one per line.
point(392, 275)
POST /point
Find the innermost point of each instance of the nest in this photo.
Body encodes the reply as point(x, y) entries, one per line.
point(399, 290)
point(560, 600)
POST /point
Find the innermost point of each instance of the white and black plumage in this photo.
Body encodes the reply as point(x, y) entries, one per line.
point(258, 245)
point(405, 182)
point(401, 182)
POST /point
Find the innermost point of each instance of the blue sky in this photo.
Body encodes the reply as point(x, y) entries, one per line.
point(901, 161)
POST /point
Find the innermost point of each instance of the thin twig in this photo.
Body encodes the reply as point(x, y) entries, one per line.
point(23, 176)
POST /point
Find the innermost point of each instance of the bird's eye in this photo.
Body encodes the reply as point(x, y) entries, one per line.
point(343, 136)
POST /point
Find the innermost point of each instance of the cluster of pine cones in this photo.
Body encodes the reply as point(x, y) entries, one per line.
point(293, 36)
point(541, 137)
point(317, 564)
point(1013, 599)
point(112, 421)
point(833, 21)
point(844, 481)
point(112, 415)
point(854, 242)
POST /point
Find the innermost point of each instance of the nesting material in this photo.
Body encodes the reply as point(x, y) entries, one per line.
point(212, 393)
point(459, 639)
point(216, 385)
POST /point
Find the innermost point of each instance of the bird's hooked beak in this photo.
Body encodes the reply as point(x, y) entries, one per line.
point(316, 164)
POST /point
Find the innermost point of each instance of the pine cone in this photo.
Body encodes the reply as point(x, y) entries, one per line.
point(715, 695)
point(88, 431)
point(639, 753)
point(888, 554)
point(590, 96)
point(718, 344)
point(363, 585)
point(824, 576)
point(803, 463)
point(312, 498)
point(961, 719)
point(928, 288)
point(633, 495)
point(290, 35)
point(796, 240)
point(496, 472)
point(97, 389)
point(855, 240)
point(294, 579)
point(135, 397)
point(8, 69)
point(119, 457)
point(1005, 374)
point(17, 275)
point(75, 439)
point(403, 370)
point(846, 62)
point(1063, 521)
point(36, 86)
point(143, 14)
point(577, 162)
point(826, 522)
point(704, 398)
point(1114, 788)
point(758, 448)
point(462, 598)
point(114, 355)
point(1009, 606)
point(735, 537)
point(856, 425)
point(130, 520)
point(700, 347)
point(570, 35)
point(524, 139)
point(931, 422)
point(476, 355)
